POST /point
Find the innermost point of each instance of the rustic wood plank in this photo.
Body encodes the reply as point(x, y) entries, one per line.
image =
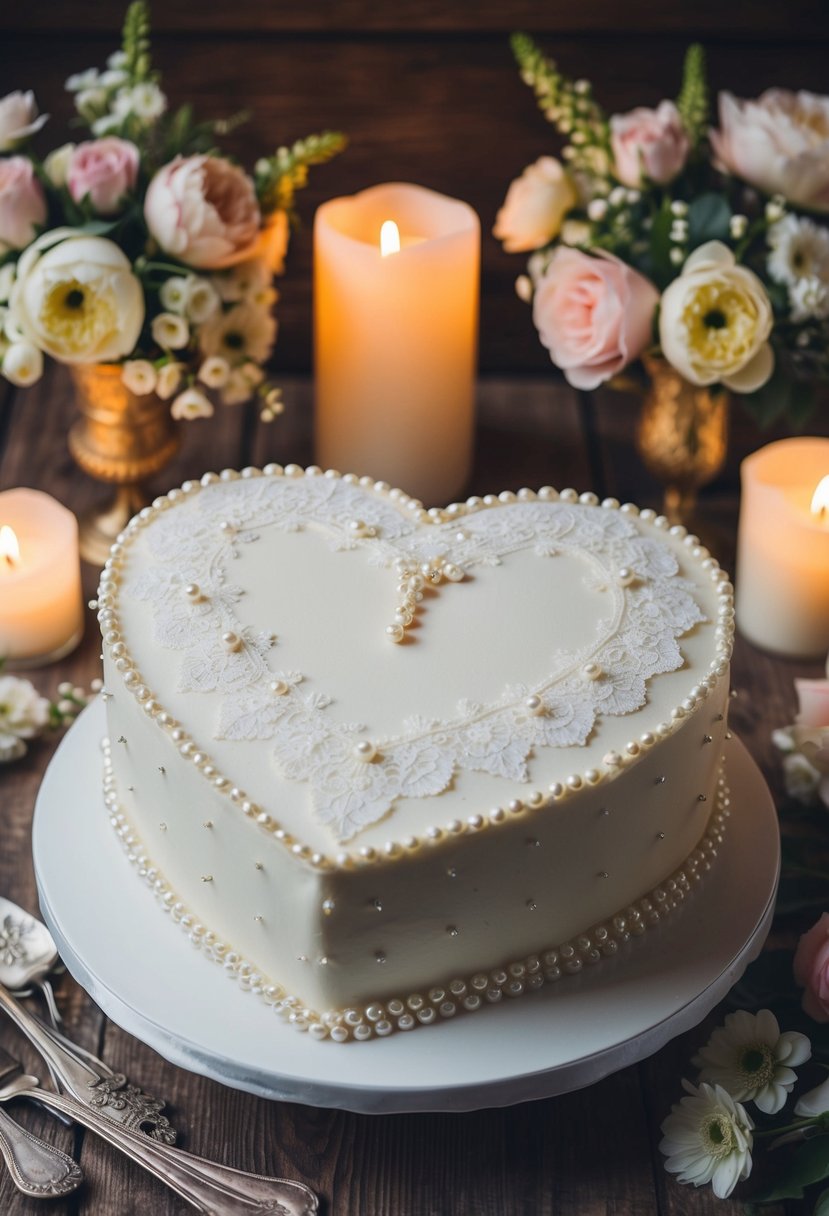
point(768, 20)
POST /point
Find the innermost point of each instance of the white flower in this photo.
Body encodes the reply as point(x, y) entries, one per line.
point(752, 1060)
point(11, 748)
point(112, 78)
point(524, 288)
point(214, 372)
point(56, 164)
point(799, 249)
point(173, 294)
point(575, 232)
point(82, 80)
point(75, 297)
point(106, 124)
point(707, 1138)
point(191, 404)
point(6, 281)
point(715, 321)
point(89, 101)
point(597, 209)
point(815, 1102)
point(146, 101)
point(139, 376)
point(809, 297)
point(800, 777)
point(118, 59)
point(22, 364)
point(245, 332)
point(247, 279)
point(202, 300)
point(169, 331)
point(23, 712)
point(168, 379)
point(535, 206)
point(737, 226)
point(18, 119)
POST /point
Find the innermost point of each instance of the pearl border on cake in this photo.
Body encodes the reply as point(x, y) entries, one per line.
point(377, 1019)
point(537, 799)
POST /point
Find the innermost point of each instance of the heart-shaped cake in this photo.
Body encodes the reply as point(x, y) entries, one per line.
point(390, 763)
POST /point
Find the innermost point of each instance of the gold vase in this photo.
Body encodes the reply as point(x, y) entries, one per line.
point(682, 435)
point(119, 438)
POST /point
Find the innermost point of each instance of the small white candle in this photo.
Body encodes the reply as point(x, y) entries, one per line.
point(396, 272)
point(782, 591)
point(41, 610)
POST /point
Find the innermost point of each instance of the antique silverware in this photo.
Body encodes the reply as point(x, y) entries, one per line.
point(214, 1190)
point(91, 1082)
point(38, 1169)
point(27, 954)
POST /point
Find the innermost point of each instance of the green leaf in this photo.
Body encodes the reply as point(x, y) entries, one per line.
point(809, 1163)
point(709, 216)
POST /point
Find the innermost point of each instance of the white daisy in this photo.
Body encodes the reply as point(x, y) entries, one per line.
point(752, 1060)
point(244, 332)
point(809, 297)
point(191, 404)
point(707, 1138)
point(799, 249)
point(139, 376)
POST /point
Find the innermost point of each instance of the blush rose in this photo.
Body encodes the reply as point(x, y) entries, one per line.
point(594, 315)
point(104, 170)
point(22, 203)
point(203, 210)
point(649, 144)
point(811, 969)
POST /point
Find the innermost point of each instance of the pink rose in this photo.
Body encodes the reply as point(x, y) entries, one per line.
point(813, 699)
point(22, 203)
point(594, 315)
point(203, 210)
point(105, 170)
point(650, 144)
point(811, 969)
point(778, 143)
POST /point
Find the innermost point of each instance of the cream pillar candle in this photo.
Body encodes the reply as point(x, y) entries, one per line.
point(395, 338)
point(782, 583)
point(41, 611)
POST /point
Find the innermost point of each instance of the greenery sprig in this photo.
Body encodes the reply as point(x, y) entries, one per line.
point(693, 102)
point(278, 177)
point(136, 44)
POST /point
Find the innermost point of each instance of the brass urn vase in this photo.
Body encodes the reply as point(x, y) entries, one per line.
point(682, 435)
point(118, 438)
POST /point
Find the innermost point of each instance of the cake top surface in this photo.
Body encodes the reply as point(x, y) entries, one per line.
point(359, 670)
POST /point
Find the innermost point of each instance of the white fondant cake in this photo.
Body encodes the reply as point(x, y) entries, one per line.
point(387, 764)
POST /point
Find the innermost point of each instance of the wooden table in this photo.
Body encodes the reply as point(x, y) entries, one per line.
point(585, 1154)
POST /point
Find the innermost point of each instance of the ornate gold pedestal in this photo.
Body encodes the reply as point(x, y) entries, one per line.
point(119, 438)
point(682, 435)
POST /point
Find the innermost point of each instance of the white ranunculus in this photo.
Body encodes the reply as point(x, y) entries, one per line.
point(171, 332)
point(707, 1138)
point(168, 379)
point(56, 164)
point(23, 712)
point(18, 119)
point(750, 1058)
point(139, 376)
point(214, 372)
point(535, 206)
point(715, 321)
point(22, 364)
point(191, 404)
point(75, 297)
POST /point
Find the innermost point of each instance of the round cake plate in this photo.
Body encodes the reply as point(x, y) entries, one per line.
point(145, 975)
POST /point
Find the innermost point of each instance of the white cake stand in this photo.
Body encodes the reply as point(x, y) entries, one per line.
point(142, 971)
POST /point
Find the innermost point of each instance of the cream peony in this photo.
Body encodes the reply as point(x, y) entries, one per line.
point(75, 297)
point(104, 171)
point(778, 143)
point(649, 145)
point(594, 315)
point(18, 119)
point(203, 210)
point(535, 206)
point(715, 322)
point(22, 203)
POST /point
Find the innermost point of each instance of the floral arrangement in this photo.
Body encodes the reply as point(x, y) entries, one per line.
point(657, 235)
point(805, 744)
point(143, 245)
point(25, 714)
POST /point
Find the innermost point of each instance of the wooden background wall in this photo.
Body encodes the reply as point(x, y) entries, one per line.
point(426, 90)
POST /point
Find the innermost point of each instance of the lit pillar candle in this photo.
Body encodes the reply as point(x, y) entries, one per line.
point(395, 334)
point(783, 548)
point(41, 611)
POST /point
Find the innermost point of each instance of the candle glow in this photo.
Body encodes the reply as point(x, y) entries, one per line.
point(820, 500)
point(389, 238)
point(9, 547)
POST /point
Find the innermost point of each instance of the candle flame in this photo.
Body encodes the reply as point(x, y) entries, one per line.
point(389, 238)
point(820, 500)
point(9, 547)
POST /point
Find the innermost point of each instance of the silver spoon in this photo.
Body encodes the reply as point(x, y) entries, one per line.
point(37, 1169)
point(27, 954)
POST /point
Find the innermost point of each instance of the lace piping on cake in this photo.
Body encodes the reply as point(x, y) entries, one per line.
point(382, 1017)
point(650, 607)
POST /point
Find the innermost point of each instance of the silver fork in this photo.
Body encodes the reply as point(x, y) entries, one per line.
point(214, 1190)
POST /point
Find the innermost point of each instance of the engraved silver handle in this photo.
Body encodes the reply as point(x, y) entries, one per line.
point(214, 1190)
point(38, 1169)
point(88, 1079)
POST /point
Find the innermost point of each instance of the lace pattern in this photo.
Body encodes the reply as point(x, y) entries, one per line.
point(651, 607)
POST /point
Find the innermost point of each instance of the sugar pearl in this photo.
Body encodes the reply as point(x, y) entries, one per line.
point(365, 750)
